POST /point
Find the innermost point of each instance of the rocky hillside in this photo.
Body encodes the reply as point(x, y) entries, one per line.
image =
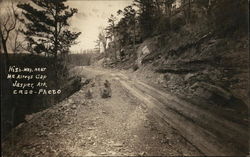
point(220, 62)
point(205, 61)
point(202, 67)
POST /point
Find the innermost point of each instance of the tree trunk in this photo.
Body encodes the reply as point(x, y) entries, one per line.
point(115, 56)
point(56, 33)
point(170, 16)
point(158, 7)
point(189, 11)
point(166, 7)
point(134, 38)
point(114, 41)
point(5, 50)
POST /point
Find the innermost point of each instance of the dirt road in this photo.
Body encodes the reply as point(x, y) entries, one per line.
point(210, 133)
point(137, 119)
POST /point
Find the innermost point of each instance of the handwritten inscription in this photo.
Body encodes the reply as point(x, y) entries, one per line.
point(28, 81)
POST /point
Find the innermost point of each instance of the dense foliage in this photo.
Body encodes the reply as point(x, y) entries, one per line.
point(147, 18)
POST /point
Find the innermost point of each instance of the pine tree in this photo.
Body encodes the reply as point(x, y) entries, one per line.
point(127, 26)
point(146, 16)
point(111, 30)
point(47, 28)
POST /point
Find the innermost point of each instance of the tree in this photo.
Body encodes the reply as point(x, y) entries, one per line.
point(187, 10)
point(111, 30)
point(227, 16)
point(168, 10)
point(8, 22)
point(146, 16)
point(111, 27)
point(130, 16)
point(47, 27)
point(102, 40)
point(7, 25)
point(17, 44)
point(126, 27)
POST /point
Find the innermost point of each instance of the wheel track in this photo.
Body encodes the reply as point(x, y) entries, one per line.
point(207, 132)
point(211, 134)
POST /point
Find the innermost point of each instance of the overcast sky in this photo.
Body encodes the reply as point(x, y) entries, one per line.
point(90, 17)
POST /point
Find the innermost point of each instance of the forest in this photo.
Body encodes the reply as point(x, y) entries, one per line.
point(149, 18)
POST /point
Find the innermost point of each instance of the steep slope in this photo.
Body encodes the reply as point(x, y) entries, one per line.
point(206, 68)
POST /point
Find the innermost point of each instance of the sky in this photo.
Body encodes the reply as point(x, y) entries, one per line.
point(90, 17)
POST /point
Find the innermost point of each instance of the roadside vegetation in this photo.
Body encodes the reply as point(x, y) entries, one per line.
point(146, 19)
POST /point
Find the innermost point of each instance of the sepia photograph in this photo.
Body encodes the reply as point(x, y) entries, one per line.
point(84, 78)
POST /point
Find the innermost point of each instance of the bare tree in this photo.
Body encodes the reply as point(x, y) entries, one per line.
point(8, 21)
point(102, 40)
point(7, 25)
point(17, 43)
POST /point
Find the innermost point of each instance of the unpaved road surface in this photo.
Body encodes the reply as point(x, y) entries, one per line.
point(137, 119)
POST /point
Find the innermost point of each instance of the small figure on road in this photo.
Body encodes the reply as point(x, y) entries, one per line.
point(89, 94)
point(106, 91)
